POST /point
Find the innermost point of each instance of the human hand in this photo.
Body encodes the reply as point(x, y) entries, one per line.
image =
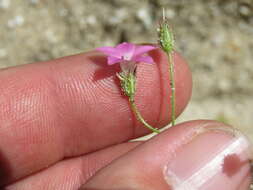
point(65, 124)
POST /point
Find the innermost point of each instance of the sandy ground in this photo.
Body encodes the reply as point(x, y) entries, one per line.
point(214, 36)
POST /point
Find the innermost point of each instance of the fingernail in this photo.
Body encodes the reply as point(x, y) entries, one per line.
point(215, 159)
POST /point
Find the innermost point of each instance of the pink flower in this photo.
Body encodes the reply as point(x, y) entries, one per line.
point(127, 53)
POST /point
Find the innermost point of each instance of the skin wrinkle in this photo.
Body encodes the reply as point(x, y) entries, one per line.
point(60, 117)
point(75, 89)
point(56, 104)
point(52, 98)
point(57, 98)
point(47, 98)
point(70, 88)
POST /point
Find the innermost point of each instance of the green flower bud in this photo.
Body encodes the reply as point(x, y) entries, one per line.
point(166, 38)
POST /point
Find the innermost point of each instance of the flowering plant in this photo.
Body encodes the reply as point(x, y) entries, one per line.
point(128, 55)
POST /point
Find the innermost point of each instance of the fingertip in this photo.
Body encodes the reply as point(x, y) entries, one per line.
point(192, 155)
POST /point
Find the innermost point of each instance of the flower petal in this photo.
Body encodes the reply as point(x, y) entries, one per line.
point(126, 50)
point(143, 49)
point(110, 51)
point(112, 60)
point(145, 59)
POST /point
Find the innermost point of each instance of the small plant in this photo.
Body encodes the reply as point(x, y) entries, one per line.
point(128, 55)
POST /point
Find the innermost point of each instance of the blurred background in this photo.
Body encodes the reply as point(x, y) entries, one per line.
point(215, 36)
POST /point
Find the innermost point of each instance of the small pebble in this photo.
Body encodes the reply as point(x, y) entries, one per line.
point(144, 15)
point(119, 16)
point(245, 10)
point(34, 1)
point(16, 21)
point(91, 20)
point(170, 13)
point(50, 35)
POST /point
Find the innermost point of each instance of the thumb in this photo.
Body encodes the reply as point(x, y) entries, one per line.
point(197, 155)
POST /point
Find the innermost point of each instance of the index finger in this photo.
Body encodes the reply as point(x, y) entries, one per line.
point(73, 106)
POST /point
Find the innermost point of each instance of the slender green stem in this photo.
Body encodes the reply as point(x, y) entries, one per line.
point(139, 116)
point(172, 86)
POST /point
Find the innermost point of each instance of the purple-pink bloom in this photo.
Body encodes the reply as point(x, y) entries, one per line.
point(127, 52)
